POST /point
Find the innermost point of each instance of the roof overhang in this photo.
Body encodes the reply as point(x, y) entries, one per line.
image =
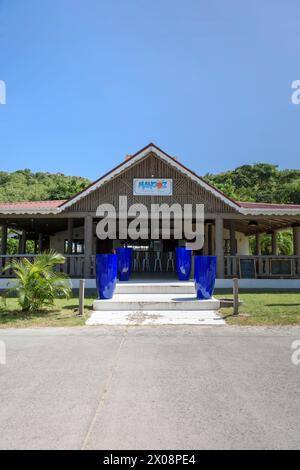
point(29, 212)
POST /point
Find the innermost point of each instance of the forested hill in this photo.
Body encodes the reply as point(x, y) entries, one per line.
point(23, 185)
point(261, 182)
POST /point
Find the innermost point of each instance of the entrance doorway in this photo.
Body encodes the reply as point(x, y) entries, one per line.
point(153, 258)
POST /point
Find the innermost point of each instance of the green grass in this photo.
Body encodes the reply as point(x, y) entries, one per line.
point(276, 308)
point(260, 308)
point(64, 313)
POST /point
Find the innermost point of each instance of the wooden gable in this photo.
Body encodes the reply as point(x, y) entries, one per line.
point(185, 189)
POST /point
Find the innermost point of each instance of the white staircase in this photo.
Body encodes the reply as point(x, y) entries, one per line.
point(160, 302)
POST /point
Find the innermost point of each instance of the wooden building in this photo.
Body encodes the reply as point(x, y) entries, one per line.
point(70, 226)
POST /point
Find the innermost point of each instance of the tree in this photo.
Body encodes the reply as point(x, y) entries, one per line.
point(23, 185)
point(261, 182)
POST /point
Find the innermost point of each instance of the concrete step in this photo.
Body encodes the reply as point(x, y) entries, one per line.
point(154, 302)
point(155, 287)
point(154, 317)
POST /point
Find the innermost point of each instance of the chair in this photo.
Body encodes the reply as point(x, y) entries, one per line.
point(157, 262)
point(170, 261)
point(136, 261)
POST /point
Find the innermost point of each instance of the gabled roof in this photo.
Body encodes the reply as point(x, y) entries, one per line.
point(58, 206)
point(151, 148)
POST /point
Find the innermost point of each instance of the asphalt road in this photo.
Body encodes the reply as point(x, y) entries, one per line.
point(157, 387)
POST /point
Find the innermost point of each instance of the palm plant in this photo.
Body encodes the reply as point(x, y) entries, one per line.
point(38, 283)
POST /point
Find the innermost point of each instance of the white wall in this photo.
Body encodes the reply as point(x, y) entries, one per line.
point(57, 240)
point(242, 242)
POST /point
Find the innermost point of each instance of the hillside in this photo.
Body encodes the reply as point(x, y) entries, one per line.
point(261, 182)
point(23, 185)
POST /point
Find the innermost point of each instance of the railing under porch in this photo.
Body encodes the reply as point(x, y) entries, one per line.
point(73, 266)
point(264, 267)
point(272, 267)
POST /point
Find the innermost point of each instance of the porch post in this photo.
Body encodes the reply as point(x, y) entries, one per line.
point(274, 243)
point(232, 238)
point(3, 239)
point(257, 244)
point(88, 244)
point(70, 241)
point(209, 239)
point(219, 240)
point(35, 244)
point(296, 239)
point(205, 246)
point(40, 242)
point(22, 243)
point(70, 235)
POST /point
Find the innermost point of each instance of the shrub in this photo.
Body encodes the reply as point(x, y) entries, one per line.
point(38, 283)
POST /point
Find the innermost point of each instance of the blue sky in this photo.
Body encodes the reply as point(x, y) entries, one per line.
point(89, 81)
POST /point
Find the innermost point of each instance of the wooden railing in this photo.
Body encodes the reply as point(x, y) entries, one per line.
point(73, 266)
point(271, 267)
point(262, 266)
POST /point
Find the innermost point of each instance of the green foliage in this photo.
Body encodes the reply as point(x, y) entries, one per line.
point(13, 245)
point(261, 182)
point(284, 243)
point(23, 185)
point(38, 284)
point(2, 304)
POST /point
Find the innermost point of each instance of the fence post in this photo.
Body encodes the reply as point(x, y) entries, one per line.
point(235, 296)
point(81, 296)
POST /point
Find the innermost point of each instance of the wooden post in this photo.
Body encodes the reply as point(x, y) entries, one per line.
point(257, 244)
point(3, 245)
point(22, 245)
point(88, 242)
point(4, 240)
point(219, 240)
point(81, 296)
point(232, 238)
point(35, 243)
point(40, 242)
point(296, 239)
point(70, 242)
point(209, 239)
point(274, 243)
point(235, 296)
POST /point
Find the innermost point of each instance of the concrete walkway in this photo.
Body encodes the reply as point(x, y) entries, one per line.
point(176, 387)
point(155, 317)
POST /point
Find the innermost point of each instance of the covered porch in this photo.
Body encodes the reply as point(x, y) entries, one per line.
point(226, 236)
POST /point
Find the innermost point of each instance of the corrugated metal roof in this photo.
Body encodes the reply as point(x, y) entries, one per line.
point(266, 205)
point(31, 205)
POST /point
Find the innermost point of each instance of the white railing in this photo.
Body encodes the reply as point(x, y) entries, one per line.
point(263, 266)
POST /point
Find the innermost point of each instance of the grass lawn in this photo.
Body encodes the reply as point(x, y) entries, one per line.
point(276, 308)
point(65, 313)
point(260, 308)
